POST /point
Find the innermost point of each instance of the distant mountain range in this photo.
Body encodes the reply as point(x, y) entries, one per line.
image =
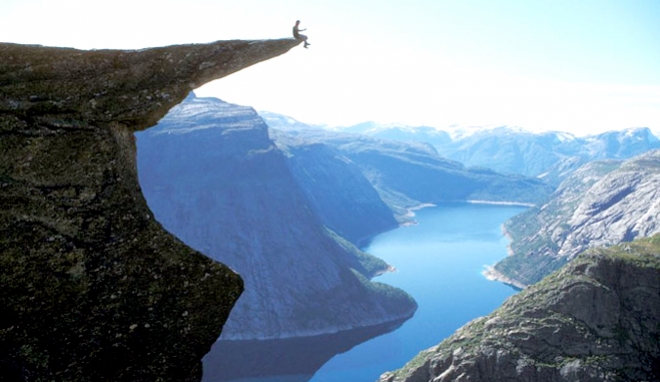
point(539, 154)
point(286, 123)
point(407, 174)
point(400, 133)
point(509, 150)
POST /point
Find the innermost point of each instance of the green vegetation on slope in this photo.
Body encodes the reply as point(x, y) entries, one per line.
point(596, 319)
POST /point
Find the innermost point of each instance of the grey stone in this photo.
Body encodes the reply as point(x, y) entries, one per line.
point(603, 203)
point(92, 288)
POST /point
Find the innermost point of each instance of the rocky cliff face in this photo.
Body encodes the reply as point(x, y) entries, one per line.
point(353, 209)
point(212, 176)
point(594, 320)
point(92, 287)
point(602, 203)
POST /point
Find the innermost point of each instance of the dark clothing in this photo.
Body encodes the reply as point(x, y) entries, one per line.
point(297, 35)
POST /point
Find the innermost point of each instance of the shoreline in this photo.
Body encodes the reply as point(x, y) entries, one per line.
point(410, 211)
point(410, 214)
point(390, 269)
point(492, 274)
point(521, 204)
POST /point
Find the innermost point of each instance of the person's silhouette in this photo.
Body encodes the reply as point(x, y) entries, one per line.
point(297, 35)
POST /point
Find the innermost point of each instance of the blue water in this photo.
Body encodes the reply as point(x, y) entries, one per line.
point(439, 262)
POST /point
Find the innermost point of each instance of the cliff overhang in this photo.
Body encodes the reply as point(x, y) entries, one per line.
point(88, 278)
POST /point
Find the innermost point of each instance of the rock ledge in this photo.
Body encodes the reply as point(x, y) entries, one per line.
point(92, 287)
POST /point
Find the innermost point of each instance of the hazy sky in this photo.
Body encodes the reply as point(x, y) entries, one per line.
point(581, 65)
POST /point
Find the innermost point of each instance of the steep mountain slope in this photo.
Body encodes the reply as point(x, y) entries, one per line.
point(406, 174)
point(339, 192)
point(91, 286)
point(594, 320)
point(214, 178)
point(602, 203)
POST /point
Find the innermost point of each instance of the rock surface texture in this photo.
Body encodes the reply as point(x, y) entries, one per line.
point(91, 287)
point(603, 203)
point(594, 320)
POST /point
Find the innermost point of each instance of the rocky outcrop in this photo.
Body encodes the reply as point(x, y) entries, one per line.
point(594, 320)
point(602, 203)
point(92, 288)
point(213, 177)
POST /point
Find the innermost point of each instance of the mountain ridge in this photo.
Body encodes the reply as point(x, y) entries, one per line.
point(549, 155)
point(409, 174)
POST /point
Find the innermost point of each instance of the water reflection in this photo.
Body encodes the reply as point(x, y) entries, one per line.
point(289, 360)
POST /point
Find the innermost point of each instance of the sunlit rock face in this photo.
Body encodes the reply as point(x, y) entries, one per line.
point(213, 176)
point(603, 203)
point(92, 288)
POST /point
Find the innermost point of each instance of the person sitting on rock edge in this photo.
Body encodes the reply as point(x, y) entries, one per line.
point(298, 36)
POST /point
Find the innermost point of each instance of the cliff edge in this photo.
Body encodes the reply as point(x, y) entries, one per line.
point(92, 287)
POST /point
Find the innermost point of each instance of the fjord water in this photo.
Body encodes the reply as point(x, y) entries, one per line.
point(438, 261)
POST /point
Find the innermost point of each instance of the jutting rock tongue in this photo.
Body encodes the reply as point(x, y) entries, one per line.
point(92, 287)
